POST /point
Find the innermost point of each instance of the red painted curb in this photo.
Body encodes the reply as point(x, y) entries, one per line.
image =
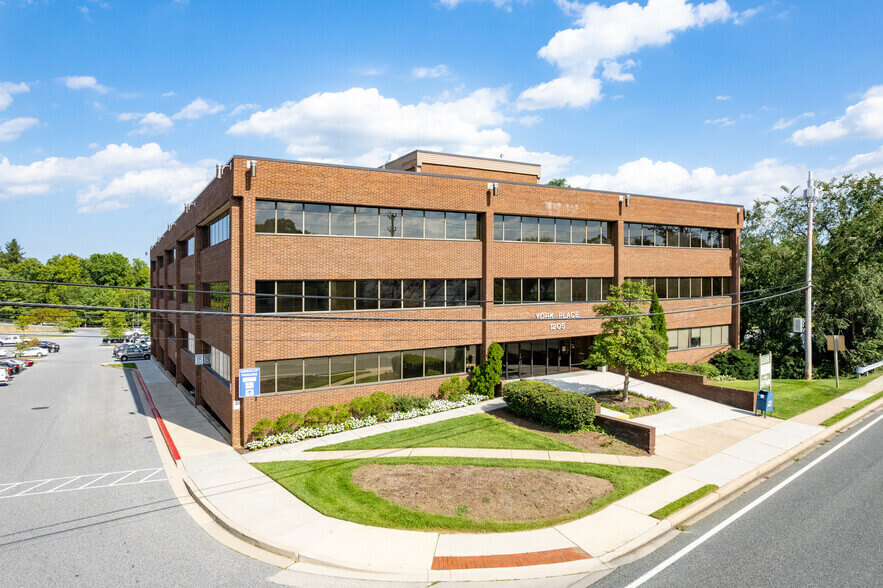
point(162, 426)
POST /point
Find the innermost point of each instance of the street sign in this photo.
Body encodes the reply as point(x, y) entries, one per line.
point(765, 371)
point(203, 359)
point(249, 382)
point(840, 345)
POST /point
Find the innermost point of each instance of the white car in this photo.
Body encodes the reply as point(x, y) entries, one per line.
point(7, 353)
point(34, 352)
point(4, 375)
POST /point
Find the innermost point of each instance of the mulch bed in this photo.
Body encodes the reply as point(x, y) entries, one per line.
point(588, 441)
point(483, 493)
point(614, 401)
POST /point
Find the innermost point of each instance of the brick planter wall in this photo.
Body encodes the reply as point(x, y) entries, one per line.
point(698, 385)
point(643, 436)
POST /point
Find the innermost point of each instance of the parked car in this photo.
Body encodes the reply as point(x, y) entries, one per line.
point(12, 340)
point(7, 353)
point(134, 352)
point(12, 367)
point(50, 346)
point(4, 377)
point(34, 352)
point(106, 340)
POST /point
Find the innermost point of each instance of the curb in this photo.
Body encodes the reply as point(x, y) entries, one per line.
point(162, 425)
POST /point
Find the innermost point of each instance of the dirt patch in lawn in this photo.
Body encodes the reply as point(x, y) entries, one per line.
point(588, 441)
point(483, 493)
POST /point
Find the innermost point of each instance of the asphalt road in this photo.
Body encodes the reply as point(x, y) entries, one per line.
point(122, 528)
point(821, 529)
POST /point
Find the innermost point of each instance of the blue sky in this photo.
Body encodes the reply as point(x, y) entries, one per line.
point(112, 114)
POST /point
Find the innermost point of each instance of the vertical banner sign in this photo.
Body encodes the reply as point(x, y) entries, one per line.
point(249, 382)
point(765, 372)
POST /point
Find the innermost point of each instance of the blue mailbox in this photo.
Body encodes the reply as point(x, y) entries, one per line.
point(765, 401)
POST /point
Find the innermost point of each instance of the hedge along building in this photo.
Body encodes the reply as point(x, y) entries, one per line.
point(428, 236)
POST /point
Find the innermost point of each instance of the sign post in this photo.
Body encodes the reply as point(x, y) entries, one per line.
point(765, 384)
point(836, 343)
point(249, 382)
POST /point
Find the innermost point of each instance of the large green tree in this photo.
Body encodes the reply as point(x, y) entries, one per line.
point(629, 341)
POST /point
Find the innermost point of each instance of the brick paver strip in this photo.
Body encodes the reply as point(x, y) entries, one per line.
point(508, 560)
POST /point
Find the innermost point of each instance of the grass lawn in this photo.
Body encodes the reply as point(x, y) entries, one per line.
point(683, 501)
point(127, 365)
point(793, 397)
point(845, 413)
point(327, 487)
point(477, 431)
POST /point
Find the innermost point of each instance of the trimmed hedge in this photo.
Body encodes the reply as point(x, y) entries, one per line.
point(544, 403)
point(736, 363)
point(704, 369)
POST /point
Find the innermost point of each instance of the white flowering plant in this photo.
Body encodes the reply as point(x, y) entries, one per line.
point(355, 423)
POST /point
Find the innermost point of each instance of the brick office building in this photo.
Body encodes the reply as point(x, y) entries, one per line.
point(428, 236)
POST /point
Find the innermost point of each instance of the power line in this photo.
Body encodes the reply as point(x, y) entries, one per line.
point(310, 316)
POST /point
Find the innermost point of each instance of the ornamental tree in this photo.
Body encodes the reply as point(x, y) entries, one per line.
point(628, 340)
point(658, 320)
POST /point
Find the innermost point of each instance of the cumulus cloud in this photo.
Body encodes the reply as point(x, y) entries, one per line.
point(152, 123)
point(616, 71)
point(361, 126)
point(863, 119)
point(7, 89)
point(198, 109)
point(83, 83)
point(243, 108)
point(603, 35)
point(784, 123)
point(11, 129)
point(110, 178)
point(439, 71)
point(667, 178)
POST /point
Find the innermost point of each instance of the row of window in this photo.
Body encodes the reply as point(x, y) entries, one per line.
point(687, 287)
point(325, 295)
point(219, 230)
point(675, 236)
point(220, 363)
point(363, 221)
point(189, 246)
point(294, 375)
point(694, 337)
point(540, 290)
point(550, 230)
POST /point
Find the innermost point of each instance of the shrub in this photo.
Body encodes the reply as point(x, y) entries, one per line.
point(319, 416)
point(341, 413)
point(453, 388)
point(544, 403)
point(374, 405)
point(704, 369)
point(736, 363)
point(486, 375)
point(288, 423)
point(263, 428)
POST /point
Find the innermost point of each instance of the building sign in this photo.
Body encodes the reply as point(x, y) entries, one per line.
point(765, 371)
point(203, 358)
point(249, 382)
point(558, 326)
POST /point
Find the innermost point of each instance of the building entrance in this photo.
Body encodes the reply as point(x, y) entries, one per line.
point(525, 359)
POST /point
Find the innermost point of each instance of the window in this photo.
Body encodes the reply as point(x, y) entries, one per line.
point(562, 230)
point(289, 296)
point(578, 231)
point(547, 230)
point(530, 290)
point(435, 361)
point(289, 375)
point(390, 366)
point(512, 228)
point(512, 287)
point(343, 220)
point(191, 342)
point(412, 362)
point(342, 295)
point(316, 374)
point(219, 299)
point(473, 230)
point(289, 217)
point(268, 376)
point(367, 221)
point(264, 216)
point(547, 290)
point(189, 246)
point(390, 222)
point(366, 294)
point(342, 373)
point(435, 225)
point(413, 224)
point(562, 290)
point(316, 219)
point(220, 364)
point(266, 299)
point(412, 293)
point(455, 292)
point(366, 368)
point(315, 295)
point(649, 235)
point(390, 294)
point(435, 293)
point(455, 225)
point(219, 230)
point(189, 295)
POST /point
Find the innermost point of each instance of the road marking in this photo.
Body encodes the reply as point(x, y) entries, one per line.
point(115, 479)
point(736, 516)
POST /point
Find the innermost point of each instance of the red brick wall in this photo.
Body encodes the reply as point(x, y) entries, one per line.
point(449, 170)
point(697, 385)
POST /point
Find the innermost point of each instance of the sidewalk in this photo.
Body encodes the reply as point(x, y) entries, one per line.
point(238, 495)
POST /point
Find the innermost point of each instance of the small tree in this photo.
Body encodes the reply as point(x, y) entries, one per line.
point(24, 320)
point(561, 182)
point(658, 320)
point(486, 375)
point(628, 342)
point(70, 321)
point(114, 325)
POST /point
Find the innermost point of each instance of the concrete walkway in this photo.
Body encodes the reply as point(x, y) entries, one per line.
point(259, 508)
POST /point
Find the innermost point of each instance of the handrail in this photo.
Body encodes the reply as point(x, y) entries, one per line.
point(862, 370)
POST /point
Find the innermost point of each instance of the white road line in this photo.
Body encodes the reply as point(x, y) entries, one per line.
point(736, 516)
point(92, 482)
point(73, 478)
point(31, 488)
point(87, 484)
point(118, 480)
point(148, 476)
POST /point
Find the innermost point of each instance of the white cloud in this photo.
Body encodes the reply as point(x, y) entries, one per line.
point(83, 83)
point(451, 4)
point(169, 94)
point(360, 126)
point(7, 89)
point(863, 119)
point(764, 178)
point(530, 120)
point(721, 122)
point(152, 123)
point(615, 71)
point(243, 108)
point(722, 97)
point(11, 129)
point(439, 71)
point(784, 123)
point(198, 109)
point(110, 178)
point(606, 33)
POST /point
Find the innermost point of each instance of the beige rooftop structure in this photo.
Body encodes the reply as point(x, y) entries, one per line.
point(431, 162)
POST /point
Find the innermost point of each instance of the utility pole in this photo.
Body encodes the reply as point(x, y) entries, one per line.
point(809, 195)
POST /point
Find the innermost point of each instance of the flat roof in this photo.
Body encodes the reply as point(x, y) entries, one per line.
point(418, 157)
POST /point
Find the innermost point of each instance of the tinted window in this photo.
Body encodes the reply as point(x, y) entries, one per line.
point(366, 294)
point(661, 288)
point(315, 372)
point(264, 216)
point(562, 290)
point(412, 293)
point(289, 217)
point(342, 293)
point(498, 227)
point(343, 220)
point(530, 229)
point(316, 295)
point(513, 290)
point(435, 293)
point(684, 291)
point(530, 290)
point(264, 303)
point(366, 221)
point(268, 376)
point(316, 219)
point(390, 366)
point(695, 237)
point(390, 222)
point(472, 229)
point(366, 368)
point(633, 233)
point(455, 360)
point(289, 375)
point(672, 236)
point(435, 361)
point(547, 230)
point(435, 225)
point(594, 288)
point(342, 370)
point(455, 225)
point(473, 291)
point(390, 294)
point(547, 290)
point(456, 292)
point(498, 289)
point(695, 287)
point(578, 231)
point(562, 230)
point(672, 287)
point(512, 228)
point(706, 286)
point(413, 224)
point(578, 290)
point(412, 364)
point(289, 296)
